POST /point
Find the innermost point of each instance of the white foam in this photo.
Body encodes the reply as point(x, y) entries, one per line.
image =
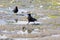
point(41, 6)
point(21, 38)
point(22, 22)
point(22, 10)
point(55, 36)
point(5, 31)
point(25, 38)
point(21, 32)
point(3, 37)
point(52, 36)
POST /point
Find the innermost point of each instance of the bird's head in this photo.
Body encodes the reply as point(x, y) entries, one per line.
point(29, 14)
point(16, 7)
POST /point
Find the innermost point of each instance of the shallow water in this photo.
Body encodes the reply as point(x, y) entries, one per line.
point(41, 9)
point(2, 22)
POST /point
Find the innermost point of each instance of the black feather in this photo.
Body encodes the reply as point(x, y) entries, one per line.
point(31, 19)
point(15, 10)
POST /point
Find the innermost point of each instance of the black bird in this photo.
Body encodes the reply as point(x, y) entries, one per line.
point(15, 10)
point(31, 19)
